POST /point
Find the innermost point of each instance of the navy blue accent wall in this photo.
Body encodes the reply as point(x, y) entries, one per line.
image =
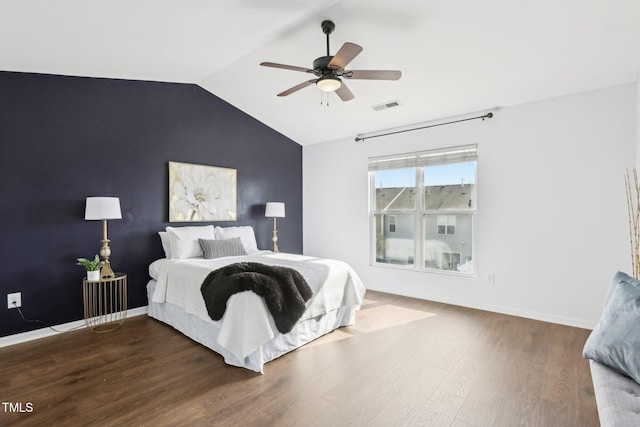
point(65, 138)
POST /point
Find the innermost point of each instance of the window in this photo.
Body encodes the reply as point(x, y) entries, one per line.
point(422, 207)
point(392, 223)
point(446, 224)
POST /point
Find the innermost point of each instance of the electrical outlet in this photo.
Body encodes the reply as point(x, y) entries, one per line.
point(14, 297)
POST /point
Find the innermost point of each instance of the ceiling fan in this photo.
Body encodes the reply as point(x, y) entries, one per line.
point(330, 69)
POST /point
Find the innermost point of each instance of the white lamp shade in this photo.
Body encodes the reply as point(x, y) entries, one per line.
point(102, 208)
point(274, 210)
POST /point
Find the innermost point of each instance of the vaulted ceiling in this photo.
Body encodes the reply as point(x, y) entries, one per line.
point(457, 57)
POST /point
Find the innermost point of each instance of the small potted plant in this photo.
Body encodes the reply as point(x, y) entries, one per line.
point(92, 266)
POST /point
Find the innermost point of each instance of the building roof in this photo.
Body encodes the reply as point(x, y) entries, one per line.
point(440, 197)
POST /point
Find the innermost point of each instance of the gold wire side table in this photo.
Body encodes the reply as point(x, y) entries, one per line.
point(105, 302)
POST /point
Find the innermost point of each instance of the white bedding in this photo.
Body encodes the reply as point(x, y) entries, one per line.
point(247, 324)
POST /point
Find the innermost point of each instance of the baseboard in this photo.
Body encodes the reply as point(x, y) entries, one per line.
point(544, 317)
point(65, 327)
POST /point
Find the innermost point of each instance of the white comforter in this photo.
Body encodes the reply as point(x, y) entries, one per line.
point(247, 323)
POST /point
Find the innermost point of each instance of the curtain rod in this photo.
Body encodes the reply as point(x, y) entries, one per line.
point(484, 116)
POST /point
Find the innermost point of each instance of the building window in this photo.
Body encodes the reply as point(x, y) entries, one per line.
point(422, 207)
point(446, 224)
point(392, 223)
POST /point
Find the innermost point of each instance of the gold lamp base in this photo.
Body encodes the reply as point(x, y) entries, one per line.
point(106, 271)
point(105, 253)
point(274, 239)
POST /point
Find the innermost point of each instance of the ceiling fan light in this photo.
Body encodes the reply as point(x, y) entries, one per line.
point(328, 84)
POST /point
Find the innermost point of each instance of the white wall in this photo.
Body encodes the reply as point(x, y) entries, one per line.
point(551, 221)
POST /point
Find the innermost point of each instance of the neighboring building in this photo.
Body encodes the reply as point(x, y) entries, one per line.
point(448, 234)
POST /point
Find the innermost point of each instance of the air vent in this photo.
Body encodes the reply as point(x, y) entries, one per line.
point(386, 105)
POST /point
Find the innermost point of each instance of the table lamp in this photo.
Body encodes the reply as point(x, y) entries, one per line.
point(103, 208)
point(274, 210)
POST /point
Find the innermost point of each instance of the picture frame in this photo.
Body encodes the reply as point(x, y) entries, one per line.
point(200, 193)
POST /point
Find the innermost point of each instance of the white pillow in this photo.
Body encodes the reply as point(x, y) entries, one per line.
point(166, 244)
point(245, 233)
point(184, 240)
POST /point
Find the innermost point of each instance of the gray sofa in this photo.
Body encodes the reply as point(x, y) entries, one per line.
point(617, 396)
point(613, 350)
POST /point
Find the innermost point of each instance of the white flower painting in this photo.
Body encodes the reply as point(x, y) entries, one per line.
point(201, 193)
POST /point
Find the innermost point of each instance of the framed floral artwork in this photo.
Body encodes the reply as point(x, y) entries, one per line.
point(202, 193)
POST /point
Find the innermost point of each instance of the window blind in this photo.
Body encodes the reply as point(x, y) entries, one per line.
point(463, 153)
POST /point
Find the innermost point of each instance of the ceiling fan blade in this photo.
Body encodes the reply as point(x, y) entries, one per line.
point(344, 92)
point(286, 67)
point(347, 52)
point(297, 87)
point(373, 74)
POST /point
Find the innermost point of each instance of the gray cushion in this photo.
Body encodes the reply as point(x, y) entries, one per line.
point(219, 248)
point(615, 340)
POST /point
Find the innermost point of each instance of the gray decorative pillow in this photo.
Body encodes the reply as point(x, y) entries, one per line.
point(615, 340)
point(219, 248)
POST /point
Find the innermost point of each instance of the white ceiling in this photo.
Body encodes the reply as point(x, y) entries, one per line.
point(457, 57)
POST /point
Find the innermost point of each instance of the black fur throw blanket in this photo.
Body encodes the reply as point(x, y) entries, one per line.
point(284, 290)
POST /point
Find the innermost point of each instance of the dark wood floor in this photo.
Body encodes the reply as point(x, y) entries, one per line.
point(405, 362)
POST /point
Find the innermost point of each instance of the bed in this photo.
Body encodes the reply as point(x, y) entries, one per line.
point(246, 336)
